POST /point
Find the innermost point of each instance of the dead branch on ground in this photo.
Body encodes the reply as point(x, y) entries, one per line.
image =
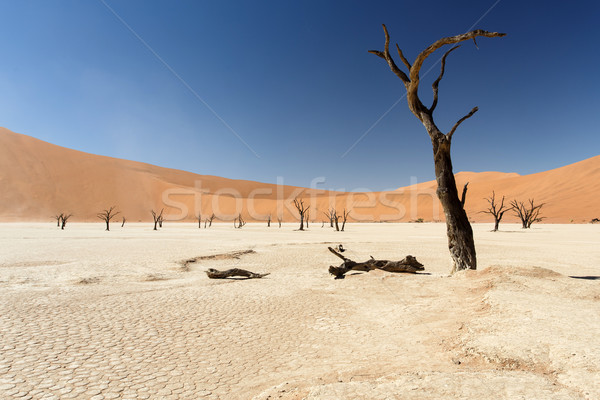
point(408, 264)
point(216, 274)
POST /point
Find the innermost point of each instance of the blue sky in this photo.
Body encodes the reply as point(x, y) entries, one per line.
point(295, 82)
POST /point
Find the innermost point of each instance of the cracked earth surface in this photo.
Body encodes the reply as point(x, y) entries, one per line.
point(86, 328)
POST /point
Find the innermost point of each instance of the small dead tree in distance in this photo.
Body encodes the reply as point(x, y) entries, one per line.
point(58, 218)
point(240, 222)
point(329, 215)
point(496, 210)
point(107, 215)
point(279, 220)
point(65, 218)
point(156, 217)
point(344, 219)
point(527, 213)
point(199, 221)
point(124, 220)
point(210, 220)
point(302, 209)
point(336, 219)
point(458, 228)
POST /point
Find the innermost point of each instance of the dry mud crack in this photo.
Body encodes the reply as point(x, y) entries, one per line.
point(502, 332)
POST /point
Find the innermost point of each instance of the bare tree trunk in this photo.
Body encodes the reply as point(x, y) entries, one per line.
point(458, 228)
point(123, 223)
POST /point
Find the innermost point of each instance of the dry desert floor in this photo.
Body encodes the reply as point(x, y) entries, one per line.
point(90, 314)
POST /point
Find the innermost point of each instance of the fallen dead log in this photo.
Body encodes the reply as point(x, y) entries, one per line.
point(408, 264)
point(216, 274)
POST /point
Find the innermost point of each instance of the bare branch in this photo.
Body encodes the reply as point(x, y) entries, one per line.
point(387, 57)
point(435, 84)
point(460, 121)
point(464, 195)
point(404, 60)
point(414, 71)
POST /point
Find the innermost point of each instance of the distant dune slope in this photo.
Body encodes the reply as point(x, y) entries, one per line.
point(40, 179)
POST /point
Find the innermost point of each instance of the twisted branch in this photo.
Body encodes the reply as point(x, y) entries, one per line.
point(435, 84)
point(414, 71)
point(469, 115)
point(387, 57)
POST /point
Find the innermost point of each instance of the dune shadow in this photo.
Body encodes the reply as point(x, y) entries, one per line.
point(587, 278)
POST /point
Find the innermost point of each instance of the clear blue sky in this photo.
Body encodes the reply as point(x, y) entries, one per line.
point(295, 81)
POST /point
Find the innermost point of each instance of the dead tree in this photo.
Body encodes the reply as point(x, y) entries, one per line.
point(302, 209)
point(458, 228)
point(496, 210)
point(240, 221)
point(210, 220)
point(65, 218)
point(58, 218)
point(527, 213)
point(160, 220)
point(216, 274)
point(124, 220)
point(269, 221)
point(336, 219)
point(156, 217)
point(344, 219)
point(107, 215)
point(408, 264)
point(199, 221)
point(279, 220)
point(329, 215)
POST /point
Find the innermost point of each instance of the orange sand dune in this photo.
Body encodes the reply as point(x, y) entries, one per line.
point(40, 180)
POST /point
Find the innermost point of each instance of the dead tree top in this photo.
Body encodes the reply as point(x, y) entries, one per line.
point(412, 79)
